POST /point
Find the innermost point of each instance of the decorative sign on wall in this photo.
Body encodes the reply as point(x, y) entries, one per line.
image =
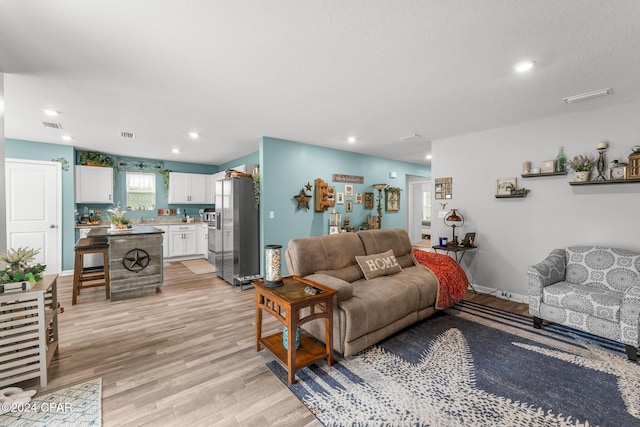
point(443, 188)
point(356, 179)
point(130, 164)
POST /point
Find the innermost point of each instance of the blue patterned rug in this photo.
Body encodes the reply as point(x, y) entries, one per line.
point(476, 366)
point(76, 406)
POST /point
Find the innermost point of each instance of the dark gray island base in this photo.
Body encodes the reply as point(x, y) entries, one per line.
point(135, 261)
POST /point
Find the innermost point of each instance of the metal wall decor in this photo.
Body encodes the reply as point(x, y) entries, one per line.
point(136, 260)
point(137, 165)
point(303, 199)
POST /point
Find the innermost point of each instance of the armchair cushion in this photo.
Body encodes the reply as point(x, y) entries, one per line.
point(600, 303)
point(601, 267)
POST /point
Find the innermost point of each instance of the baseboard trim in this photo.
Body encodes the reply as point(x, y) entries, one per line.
point(524, 299)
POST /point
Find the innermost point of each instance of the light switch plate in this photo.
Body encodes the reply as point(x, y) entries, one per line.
point(272, 215)
point(442, 214)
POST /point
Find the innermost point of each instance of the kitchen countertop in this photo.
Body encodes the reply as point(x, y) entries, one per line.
point(136, 230)
point(137, 223)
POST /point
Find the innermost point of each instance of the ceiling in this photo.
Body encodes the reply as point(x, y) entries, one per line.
point(311, 71)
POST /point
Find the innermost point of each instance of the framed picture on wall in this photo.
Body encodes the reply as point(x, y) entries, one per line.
point(348, 190)
point(340, 198)
point(393, 201)
point(368, 200)
point(505, 185)
point(349, 205)
point(359, 198)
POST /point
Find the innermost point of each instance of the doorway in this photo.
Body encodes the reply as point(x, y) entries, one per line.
point(34, 209)
point(419, 210)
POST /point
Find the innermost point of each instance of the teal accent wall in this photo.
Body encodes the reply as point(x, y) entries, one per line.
point(21, 149)
point(249, 160)
point(287, 166)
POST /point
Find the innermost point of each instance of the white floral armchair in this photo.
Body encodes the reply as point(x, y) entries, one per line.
point(592, 288)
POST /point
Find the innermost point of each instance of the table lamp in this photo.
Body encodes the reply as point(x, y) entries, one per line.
point(454, 219)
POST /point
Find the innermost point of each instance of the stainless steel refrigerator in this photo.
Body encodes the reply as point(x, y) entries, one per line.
point(237, 236)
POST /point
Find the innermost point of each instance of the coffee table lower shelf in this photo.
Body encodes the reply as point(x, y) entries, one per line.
point(308, 352)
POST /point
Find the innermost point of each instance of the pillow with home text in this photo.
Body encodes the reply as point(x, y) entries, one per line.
point(378, 264)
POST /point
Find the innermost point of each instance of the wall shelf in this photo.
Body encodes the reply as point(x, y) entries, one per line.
point(511, 196)
point(609, 181)
point(538, 175)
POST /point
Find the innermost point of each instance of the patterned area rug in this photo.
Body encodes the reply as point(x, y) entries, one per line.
point(199, 266)
point(476, 366)
point(79, 405)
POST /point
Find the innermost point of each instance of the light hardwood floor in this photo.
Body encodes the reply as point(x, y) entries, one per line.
point(185, 356)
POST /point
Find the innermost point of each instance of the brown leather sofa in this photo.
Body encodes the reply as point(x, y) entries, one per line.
point(366, 311)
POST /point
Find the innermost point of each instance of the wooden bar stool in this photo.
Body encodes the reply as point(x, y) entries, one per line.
point(95, 276)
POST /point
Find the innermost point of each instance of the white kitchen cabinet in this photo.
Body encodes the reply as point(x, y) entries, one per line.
point(203, 240)
point(210, 189)
point(183, 240)
point(185, 188)
point(94, 184)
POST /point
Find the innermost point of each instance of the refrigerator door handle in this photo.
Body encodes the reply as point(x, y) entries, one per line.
point(218, 222)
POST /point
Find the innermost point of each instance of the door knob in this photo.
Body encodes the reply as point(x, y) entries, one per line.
point(52, 226)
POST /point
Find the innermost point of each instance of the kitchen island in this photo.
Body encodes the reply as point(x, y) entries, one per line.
point(135, 260)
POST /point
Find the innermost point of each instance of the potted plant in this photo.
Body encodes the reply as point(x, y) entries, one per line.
point(17, 269)
point(93, 158)
point(116, 217)
point(582, 166)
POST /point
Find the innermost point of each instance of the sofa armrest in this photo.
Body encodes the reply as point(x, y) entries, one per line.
point(548, 272)
point(343, 288)
point(630, 315)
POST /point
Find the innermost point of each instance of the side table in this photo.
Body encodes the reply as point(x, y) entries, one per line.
point(285, 303)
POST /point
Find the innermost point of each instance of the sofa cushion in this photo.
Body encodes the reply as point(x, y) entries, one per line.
point(598, 302)
point(602, 267)
point(378, 264)
point(377, 303)
point(381, 240)
point(333, 255)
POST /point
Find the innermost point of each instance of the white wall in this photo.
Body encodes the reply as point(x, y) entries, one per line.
point(515, 233)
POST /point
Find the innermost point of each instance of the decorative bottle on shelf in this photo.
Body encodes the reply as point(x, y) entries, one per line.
point(560, 160)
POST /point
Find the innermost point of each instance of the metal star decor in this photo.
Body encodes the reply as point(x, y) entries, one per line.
point(303, 199)
point(308, 186)
point(136, 260)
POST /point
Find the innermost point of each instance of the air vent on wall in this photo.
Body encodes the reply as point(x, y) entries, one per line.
point(128, 135)
point(52, 125)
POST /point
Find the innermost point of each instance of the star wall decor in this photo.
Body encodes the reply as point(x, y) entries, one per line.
point(308, 186)
point(303, 199)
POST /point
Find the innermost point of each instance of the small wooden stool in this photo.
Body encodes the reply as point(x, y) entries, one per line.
point(90, 245)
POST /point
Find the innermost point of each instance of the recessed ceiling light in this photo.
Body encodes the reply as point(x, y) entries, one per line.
point(51, 112)
point(524, 66)
point(429, 156)
point(351, 139)
point(194, 135)
point(66, 137)
point(175, 151)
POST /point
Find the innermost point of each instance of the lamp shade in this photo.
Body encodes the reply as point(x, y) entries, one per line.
point(454, 219)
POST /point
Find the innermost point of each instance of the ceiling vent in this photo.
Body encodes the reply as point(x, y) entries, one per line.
point(127, 135)
point(52, 125)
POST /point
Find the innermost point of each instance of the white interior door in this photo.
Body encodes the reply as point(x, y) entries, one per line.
point(33, 190)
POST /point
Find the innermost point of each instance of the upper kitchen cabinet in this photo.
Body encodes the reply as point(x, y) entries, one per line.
point(94, 184)
point(185, 188)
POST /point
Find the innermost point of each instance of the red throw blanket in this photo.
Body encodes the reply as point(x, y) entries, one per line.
point(452, 280)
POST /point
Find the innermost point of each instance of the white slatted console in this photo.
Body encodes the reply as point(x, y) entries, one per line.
point(28, 332)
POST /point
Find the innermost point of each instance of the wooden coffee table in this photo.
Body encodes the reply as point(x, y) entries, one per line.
point(285, 304)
